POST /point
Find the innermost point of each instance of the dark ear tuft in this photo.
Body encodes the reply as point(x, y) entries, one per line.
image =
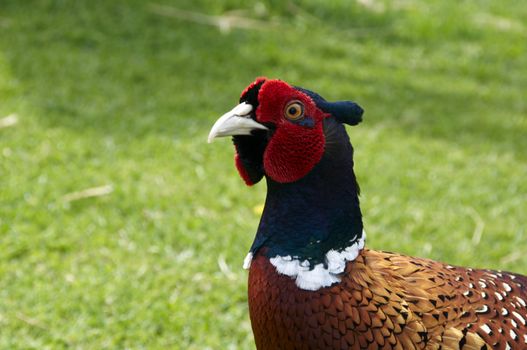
point(344, 111)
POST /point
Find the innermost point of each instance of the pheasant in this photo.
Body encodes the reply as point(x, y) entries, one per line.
point(312, 283)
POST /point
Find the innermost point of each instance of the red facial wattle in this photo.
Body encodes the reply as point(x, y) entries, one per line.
point(257, 81)
point(296, 145)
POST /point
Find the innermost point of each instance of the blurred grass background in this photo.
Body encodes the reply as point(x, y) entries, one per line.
point(120, 228)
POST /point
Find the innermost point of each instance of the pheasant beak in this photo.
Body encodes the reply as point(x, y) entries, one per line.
point(238, 121)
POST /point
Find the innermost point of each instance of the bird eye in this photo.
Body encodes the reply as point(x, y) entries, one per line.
point(294, 110)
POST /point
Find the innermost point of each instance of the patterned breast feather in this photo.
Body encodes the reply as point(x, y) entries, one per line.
point(390, 301)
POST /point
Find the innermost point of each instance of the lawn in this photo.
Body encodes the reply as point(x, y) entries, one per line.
point(121, 228)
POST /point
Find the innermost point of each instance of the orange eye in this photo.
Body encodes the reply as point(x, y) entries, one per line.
point(294, 110)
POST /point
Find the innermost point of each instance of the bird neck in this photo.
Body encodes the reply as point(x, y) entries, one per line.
point(317, 214)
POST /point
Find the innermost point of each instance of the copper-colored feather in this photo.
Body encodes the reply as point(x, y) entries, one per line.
point(390, 301)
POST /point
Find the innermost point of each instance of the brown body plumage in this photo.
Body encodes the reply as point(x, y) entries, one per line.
point(390, 301)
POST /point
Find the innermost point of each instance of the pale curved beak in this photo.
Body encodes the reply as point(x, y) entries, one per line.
point(235, 122)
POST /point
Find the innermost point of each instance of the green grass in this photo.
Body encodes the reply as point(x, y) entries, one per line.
point(113, 93)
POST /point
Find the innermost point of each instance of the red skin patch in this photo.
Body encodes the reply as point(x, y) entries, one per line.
point(253, 84)
point(293, 150)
